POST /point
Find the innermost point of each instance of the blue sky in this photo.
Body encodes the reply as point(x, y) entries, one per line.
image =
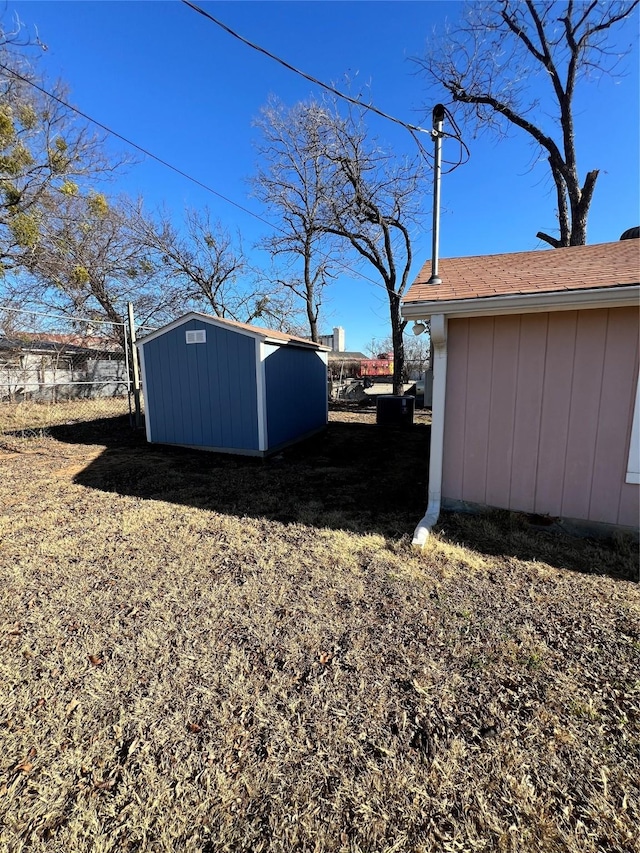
point(176, 84)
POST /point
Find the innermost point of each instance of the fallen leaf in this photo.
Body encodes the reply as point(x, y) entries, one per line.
point(71, 707)
point(25, 767)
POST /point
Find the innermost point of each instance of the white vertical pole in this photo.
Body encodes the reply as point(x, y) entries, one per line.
point(438, 119)
point(134, 363)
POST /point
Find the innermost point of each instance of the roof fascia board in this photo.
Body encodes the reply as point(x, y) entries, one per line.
point(175, 324)
point(525, 303)
point(296, 342)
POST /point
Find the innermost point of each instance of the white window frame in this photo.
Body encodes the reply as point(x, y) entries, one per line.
point(633, 466)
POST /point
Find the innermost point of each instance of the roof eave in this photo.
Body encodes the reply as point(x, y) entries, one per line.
point(295, 342)
point(623, 296)
point(217, 321)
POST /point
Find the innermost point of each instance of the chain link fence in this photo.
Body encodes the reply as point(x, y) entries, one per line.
point(56, 369)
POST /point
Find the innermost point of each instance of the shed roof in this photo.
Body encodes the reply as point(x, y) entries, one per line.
point(268, 335)
point(603, 265)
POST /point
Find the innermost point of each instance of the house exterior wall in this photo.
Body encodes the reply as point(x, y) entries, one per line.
point(296, 393)
point(539, 410)
point(48, 377)
point(202, 394)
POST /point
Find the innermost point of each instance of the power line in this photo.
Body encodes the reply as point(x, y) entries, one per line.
point(295, 70)
point(168, 165)
point(153, 156)
point(54, 317)
point(135, 145)
point(412, 128)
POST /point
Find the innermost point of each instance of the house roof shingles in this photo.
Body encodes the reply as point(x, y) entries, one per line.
point(554, 270)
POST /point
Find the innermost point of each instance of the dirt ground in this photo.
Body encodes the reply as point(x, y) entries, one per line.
point(210, 653)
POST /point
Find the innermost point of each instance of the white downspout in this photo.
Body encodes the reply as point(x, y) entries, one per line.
point(438, 327)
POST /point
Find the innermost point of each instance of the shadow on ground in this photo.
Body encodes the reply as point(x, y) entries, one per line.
point(505, 535)
point(354, 476)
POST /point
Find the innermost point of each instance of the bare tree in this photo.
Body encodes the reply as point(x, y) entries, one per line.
point(373, 203)
point(204, 269)
point(340, 184)
point(490, 64)
point(293, 180)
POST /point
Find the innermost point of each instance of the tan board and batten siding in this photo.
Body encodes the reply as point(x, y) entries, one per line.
point(536, 362)
point(539, 411)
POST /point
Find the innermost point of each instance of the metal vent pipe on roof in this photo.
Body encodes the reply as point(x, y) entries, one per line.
point(436, 133)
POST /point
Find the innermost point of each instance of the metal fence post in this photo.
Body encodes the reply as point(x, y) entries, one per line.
point(134, 363)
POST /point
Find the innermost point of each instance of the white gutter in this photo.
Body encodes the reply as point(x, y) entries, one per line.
point(626, 296)
point(439, 341)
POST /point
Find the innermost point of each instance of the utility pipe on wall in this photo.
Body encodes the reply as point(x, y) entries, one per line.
point(436, 133)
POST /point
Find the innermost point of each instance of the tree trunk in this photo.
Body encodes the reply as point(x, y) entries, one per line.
point(580, 210)
point(313, 322)
point(397, 327)
point(309, 290)
point(491, 92)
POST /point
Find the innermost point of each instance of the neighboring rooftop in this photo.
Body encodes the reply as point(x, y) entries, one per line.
point(345, 355)
point(573, 268)
point(57, 343)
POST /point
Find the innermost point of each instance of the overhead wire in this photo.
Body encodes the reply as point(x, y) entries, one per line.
point(462, 160)
point(168, 165)
point(413, 129)
point(133, 144)
point(295, 70)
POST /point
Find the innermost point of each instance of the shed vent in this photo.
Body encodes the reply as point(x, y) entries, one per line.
point(199, 336)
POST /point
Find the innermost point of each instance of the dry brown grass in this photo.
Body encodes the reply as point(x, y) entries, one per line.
point(181, 673)
point(28, 419)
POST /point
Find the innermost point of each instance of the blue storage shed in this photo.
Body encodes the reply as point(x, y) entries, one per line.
point(220, 385)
